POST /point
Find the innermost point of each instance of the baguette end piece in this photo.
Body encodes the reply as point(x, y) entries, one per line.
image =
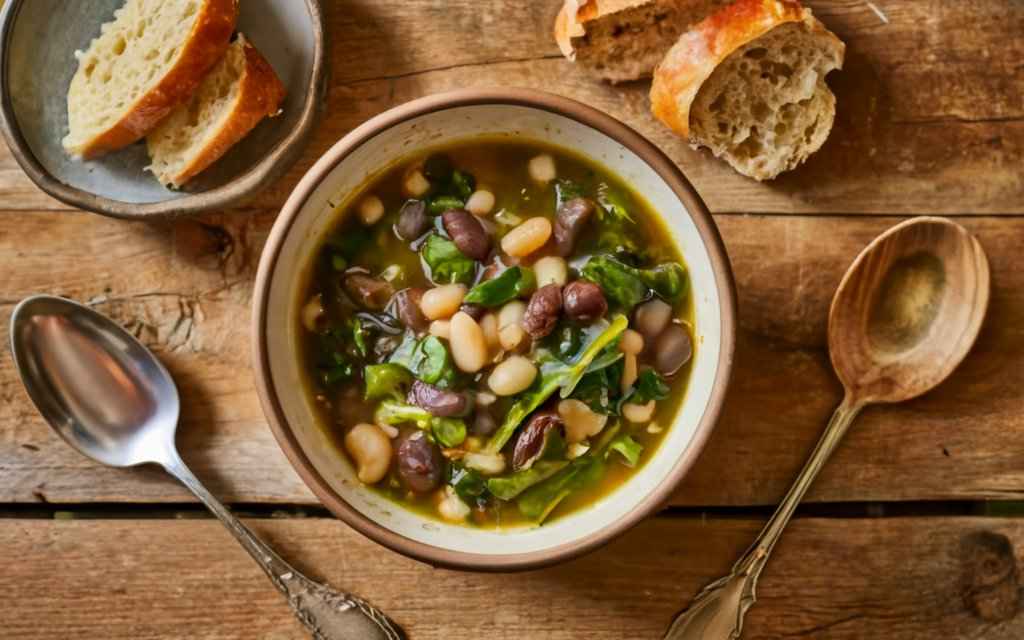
point(749, 84)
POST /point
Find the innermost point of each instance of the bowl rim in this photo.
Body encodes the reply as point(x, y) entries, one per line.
point(275, 164)
point(558, 105)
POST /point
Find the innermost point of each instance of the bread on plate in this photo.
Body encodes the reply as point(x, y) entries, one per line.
point(149, 59)
point(233, 98)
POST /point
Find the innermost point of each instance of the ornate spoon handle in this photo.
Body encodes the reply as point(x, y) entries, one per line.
point(328, 614)
point(717, 611)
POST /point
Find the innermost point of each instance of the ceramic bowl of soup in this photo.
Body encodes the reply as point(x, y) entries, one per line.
point(493, 329)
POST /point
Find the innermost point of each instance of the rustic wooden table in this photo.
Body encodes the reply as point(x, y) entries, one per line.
point(906, 534)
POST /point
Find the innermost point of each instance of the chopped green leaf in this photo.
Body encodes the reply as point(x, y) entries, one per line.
point(386, 381)
point(649, 386)
point(628, 447)
point(463, 183)
point(427, 359)
point(509, 486)
point(565, 341)
point(613, 203)
point(445, 263)
point(359, 335)
point(668, 280)
point(439, 204)
point(620, 282)
point(467, 483)
point(338, 262)
point(449, 432)
point(510, 284)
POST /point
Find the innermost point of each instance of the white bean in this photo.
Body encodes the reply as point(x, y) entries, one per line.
point(542, 168)
point(512, 376)
point(469, 348)
point(489, 464)
point(441, 329)
point(489, 325)
point(551, 270)
point(442, 302)
point(511, 313)
point(451, 507)
point(580, 421)
point(629, 371)
point(415, 184)
point(370, 448)
point(652, 317)
point(371, 210)
point(480, 203)
point(527, 237)
point(638, 412)
point(512, 337)
point(484, 399)
point(632, 343)
point(313, 312)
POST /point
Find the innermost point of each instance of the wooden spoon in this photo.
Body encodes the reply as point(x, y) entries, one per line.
point(905, 315)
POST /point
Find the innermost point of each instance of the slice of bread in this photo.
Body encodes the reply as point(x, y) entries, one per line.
point(622, 40)
point(144, 63)
point(240, 91)
point(749, 84)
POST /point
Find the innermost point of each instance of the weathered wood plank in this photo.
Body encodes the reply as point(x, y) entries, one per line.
point(185, 289)
point(829, 580)
point(931, 103)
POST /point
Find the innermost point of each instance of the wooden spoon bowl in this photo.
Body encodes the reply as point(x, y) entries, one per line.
point(908, 310)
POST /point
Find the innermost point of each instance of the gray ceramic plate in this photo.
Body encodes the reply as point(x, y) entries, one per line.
point(38, 39)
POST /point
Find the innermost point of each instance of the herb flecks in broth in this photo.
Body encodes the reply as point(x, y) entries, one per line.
point(496, 333)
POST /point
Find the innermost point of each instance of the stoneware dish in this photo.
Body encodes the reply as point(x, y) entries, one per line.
point(385, 141)
point(38, 39)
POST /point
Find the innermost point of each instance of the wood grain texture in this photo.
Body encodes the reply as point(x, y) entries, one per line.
point(184, 288)
point(931, 100)
point(897, 579)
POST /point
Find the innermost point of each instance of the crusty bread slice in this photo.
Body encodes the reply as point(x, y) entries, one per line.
point(622, 40)
point(240, 91)
point(144, 63)
point(749, 84)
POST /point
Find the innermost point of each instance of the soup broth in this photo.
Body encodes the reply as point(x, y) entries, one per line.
point(496, 333)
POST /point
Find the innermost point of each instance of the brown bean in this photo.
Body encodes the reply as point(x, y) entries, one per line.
point(467, 233)
point(570, 220)
point(673, 349)
point(440, 403)
point(532, 439)
point(584, 301)
point(369, 292)
point(413, 220)
point(484, 423)
point(420, 463)
point(543, 311)
point(474, 311)
point(407, 308)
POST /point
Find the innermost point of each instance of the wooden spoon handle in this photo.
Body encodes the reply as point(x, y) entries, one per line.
point(718, 610)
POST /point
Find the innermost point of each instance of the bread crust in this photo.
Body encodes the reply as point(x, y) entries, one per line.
point(693, 59)
point(572, 18)
point(207, 42)
point(260, 95)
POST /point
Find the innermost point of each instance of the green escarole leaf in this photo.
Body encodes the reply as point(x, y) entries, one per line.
point(510, 486)
point(628, 447)
point(512, 283)
point(386, 381)
point(427, 359)
point(445, 263)
point(628, 286)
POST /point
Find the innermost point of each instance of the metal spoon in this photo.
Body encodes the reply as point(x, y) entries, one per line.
point(111, 399)
point(905, 315)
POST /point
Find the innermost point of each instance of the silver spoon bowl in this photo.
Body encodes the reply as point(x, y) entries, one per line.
point(109, 397)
